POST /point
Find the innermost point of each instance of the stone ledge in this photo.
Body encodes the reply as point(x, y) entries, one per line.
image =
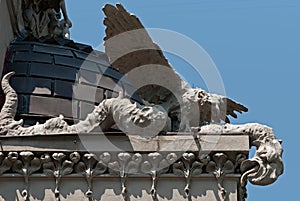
point(132, 143)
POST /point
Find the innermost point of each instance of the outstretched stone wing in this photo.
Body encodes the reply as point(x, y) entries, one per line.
point(131, 50)
point(127, 43)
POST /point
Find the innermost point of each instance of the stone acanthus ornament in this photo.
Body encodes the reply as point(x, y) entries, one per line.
point(38, 18)
point(125, 165)
point(156, 165)
point(90, 168)
point(59, 167)
point(220, 166)
point(189, 166)
point(26, 167)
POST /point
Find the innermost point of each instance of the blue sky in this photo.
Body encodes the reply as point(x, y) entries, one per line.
point(255, 45)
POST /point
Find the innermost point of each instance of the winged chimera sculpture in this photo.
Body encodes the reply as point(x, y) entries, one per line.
point(169, 103)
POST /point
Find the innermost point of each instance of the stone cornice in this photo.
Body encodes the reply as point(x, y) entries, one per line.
point(89, 166)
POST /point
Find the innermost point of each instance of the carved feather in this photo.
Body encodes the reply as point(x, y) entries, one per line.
point(127, 43)
point(130, 49)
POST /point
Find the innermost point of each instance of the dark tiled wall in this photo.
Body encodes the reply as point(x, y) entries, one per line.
point(52, 80)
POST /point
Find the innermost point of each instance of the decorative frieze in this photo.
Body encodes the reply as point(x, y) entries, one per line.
point(122, 165)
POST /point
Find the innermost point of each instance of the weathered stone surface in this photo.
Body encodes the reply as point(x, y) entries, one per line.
point(257, 170)
point(190, 143)
point(103, 142)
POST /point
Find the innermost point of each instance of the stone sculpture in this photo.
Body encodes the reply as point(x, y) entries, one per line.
point(138, 53)
point(176, 107)
point(38, 18)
